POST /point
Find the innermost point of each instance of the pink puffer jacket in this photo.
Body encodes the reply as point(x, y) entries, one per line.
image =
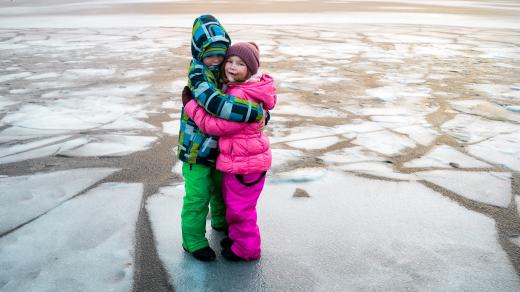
point(244, 148)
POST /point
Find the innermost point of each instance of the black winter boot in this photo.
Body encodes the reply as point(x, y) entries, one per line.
point(229, 255)
point(226, 243)
point(205, 254)
point(221, 229)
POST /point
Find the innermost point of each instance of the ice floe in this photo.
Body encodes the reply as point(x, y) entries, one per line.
point(384, 142)
point(503, 150)
point(105, 145)
point(381, 233)
point(84, 244)
point(492, 188)
point(281, 157)
point(172, 127)
point(444, 156)
point(471, 129)
point(313, 144)
point(24, 198)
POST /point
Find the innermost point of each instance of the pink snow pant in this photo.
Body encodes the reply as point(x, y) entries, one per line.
point(240, 193)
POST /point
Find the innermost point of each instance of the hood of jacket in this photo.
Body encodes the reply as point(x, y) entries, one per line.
point(207, 30)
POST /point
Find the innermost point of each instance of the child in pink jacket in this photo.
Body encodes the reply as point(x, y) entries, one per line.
point(245, 154)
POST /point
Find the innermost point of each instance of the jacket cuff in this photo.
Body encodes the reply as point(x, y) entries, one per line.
point(260, 114)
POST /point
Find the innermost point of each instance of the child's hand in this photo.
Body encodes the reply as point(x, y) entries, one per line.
point(186, 95)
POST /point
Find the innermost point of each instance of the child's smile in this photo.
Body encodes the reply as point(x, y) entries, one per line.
point(236, 69)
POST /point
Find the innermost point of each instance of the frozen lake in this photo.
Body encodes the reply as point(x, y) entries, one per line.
point(396, 158)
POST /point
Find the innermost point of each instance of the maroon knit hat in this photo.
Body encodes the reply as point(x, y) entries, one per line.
point(248, 52)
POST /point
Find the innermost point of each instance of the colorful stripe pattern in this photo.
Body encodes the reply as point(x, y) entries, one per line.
point(195, 146)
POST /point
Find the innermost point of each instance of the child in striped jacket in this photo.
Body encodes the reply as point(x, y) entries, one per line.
point(197, 148)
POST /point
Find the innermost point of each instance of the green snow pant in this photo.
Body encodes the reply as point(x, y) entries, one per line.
point(203, 186)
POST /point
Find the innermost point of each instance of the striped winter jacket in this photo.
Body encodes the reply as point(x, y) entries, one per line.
point(196, 146)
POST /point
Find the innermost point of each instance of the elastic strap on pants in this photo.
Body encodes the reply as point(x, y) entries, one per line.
point(240, 178)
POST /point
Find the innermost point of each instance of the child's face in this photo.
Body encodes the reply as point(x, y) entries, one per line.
point(214, 60)
point(235, 69)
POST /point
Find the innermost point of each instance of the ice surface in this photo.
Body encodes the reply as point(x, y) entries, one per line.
point(137, 73)
point(31, 154)
point(185, 20)
point(17, 133)
point(383, 235)
point(299, 175)
point(517, 199)
point(386, 93)
point(58, 117)
point(351, 155)
point(43, 76)
point(127, 123)
point(306, 110)
point(9, 77)
point(502, 149)
point(85, 244)
point(4, 103)
point(88, 73)
point(420, 134)
point(516, 240)
point(177, 168)
point(76, 113)
point(358, 126)
point(497, 91)
point(384, 142)
point(472, 129)
point(176, 88)
point(442, 156)
point(106, 145)
point(513, 108)
point(172, 127)
point(492, 188)
point(23, 198)
point(401, 121)
point(484, 108)
point(18, 148)
point(313, 144)
point(380, 169)
point(282, 157)
point(302, 133)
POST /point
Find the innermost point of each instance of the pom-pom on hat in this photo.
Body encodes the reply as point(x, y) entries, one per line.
point(248, 52)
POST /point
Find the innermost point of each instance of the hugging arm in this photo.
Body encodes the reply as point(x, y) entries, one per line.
point(210, 124)
point(217, 103)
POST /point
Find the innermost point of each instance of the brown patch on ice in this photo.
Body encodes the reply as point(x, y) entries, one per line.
point(301, 193)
